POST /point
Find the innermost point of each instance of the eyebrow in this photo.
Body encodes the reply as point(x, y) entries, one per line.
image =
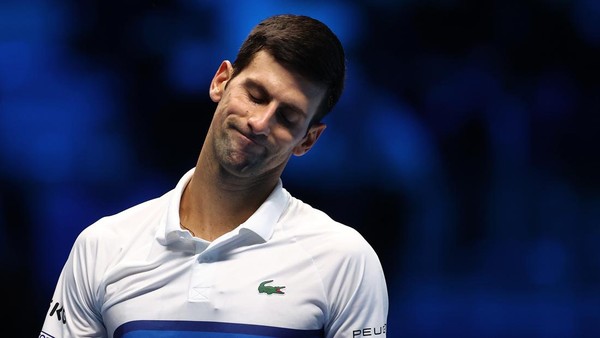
point(253, 84)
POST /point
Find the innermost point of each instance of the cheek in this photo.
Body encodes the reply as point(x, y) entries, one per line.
point(238, 100)
point(286, 141)
point(236, 108)
point(226, 108)
point(220, 114)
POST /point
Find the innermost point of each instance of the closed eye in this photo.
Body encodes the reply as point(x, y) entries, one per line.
point(287, 116)
point(256, 98)
point(284, 118)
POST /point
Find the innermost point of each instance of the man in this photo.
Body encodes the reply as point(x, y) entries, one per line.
point(229, 251)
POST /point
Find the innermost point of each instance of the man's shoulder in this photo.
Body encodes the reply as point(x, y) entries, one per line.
point(305, 220)
point(336, 249)
point(130, 222)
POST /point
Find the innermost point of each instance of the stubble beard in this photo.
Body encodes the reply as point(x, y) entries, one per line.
point(234, 161)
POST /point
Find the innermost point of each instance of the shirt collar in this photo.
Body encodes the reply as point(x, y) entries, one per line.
point(261, 222)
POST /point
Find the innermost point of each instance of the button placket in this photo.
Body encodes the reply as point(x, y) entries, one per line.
point(202, 280)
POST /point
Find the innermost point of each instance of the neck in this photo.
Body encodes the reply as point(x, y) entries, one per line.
point(212, 205)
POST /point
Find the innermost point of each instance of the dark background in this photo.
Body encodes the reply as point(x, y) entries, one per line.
point(465, 147)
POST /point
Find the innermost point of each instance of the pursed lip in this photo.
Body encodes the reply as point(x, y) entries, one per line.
point(248, 140)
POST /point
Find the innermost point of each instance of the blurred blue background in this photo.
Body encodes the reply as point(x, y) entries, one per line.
point(465, 148)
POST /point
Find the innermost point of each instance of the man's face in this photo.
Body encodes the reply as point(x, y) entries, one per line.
point(262, 117)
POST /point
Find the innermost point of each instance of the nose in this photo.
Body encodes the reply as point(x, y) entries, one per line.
point(260, 119)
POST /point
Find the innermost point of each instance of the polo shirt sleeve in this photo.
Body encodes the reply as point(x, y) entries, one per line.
point(357, 291)
point(74, 310)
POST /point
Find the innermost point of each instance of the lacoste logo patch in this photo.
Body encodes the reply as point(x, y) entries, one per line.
point(268, 289)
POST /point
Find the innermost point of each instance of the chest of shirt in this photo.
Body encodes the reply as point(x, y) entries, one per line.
point(262, 285)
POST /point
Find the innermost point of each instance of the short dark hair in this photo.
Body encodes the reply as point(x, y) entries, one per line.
point(305, 45)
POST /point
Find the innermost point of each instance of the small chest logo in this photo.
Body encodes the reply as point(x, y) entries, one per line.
point(268, 289)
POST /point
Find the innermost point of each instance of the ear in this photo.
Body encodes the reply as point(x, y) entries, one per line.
point(310, 139)
point(217, 85)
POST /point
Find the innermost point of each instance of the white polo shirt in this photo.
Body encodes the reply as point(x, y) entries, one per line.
point(288, 271)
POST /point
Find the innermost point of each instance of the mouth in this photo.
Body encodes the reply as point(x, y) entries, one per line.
point(243, 136)
point(247, 142)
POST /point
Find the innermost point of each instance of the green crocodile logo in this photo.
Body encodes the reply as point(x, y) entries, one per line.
point(268, 289)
